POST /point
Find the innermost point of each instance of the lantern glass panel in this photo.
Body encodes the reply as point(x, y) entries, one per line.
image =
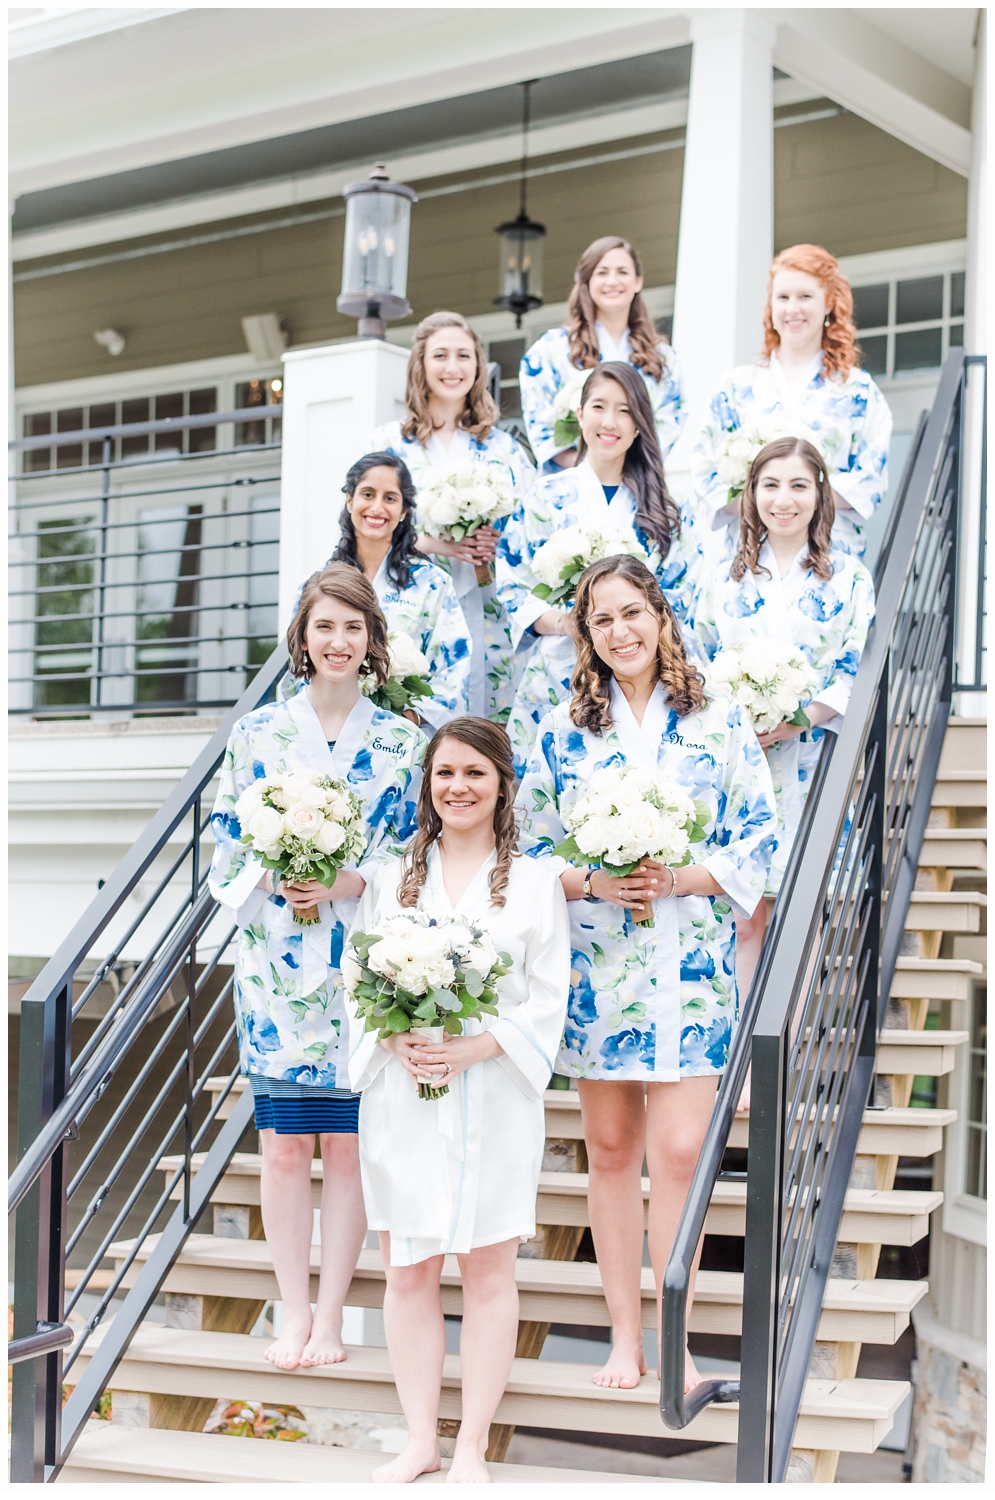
point(376, 245)
point(520, 267)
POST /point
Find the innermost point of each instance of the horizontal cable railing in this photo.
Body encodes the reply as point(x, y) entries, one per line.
point(809, 1028)
point(146, 582)
point(100, 1110)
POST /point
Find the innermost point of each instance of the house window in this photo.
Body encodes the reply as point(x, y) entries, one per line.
point(975, 1170)
point(170, 404)
point(908, 324)
point(258, 393)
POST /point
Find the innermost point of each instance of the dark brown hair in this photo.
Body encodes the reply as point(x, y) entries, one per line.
point(839, 335)
point(490, 741)
point(642, 470)
point(582, 313)
point(340, 581)
point(590, 706)
point(753, 532)
point(479, 412)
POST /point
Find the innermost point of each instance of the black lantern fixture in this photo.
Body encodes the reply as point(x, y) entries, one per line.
point(520, 268)
point(375, 263)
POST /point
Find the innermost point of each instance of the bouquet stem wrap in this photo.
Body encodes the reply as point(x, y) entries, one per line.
point(427, 1086)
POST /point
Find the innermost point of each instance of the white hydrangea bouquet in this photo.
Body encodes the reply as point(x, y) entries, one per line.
point(628, 814)
point(406, 682)
point(560, 561)
point(740, 447)
point(415, 972)
point(454, 503)
point(767, 677)
point(303, 825)
point(566, 428)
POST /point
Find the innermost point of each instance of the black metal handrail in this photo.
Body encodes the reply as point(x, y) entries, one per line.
point(163, 1109)
point(810, 1023)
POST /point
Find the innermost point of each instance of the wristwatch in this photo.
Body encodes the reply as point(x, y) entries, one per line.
point(588, 893)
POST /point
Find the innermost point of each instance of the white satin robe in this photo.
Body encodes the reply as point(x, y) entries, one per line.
point(447, 1176)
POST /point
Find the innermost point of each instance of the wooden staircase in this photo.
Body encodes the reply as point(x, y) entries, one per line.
point(173, 1374)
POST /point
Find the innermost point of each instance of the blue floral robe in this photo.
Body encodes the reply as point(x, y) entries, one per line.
point(547, 366)
point(494, 666)
point(849, 422)
point(289, 1000)
point(657, 1003)
point(827, 620)
point(429, 612)
point(560, 500)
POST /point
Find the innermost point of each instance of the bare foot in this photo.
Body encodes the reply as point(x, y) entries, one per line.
point(691, 1376)
point(468, 1466)
point(324, 1347)
point(415, 1459)
point(285, 1353)
point(744, 1098)
point(622, 1369)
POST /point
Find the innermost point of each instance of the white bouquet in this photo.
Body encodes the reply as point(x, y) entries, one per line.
point(560, 561)
point(415, 972)
point(406, 682)
point(740, 447)
point(304, 825)
point(628, 814)
point(769, 678)
point(566, 428)
point(454, 503)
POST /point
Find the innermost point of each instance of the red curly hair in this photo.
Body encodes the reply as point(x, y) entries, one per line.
point(839, 338)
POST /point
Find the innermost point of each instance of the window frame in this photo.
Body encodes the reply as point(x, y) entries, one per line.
point(964, 1214)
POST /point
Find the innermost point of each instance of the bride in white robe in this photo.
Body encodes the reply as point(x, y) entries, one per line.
point(460, 1174)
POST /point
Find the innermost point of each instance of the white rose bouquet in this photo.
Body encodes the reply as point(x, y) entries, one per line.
point(304, 825)
point(566, 428)
point(629, 814)
point(740, 447)
point(769, 678)
point(456, 502)
point(415, 972)
point(406, 682)
point(560, 561)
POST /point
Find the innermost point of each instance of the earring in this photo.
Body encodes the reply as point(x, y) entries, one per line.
point(827, 320)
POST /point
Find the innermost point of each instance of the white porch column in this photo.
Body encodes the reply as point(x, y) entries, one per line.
point(726, 240)
point(333, 398)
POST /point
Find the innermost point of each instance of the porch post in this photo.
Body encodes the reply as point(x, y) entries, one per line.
point(726, 240)
point(333, 398)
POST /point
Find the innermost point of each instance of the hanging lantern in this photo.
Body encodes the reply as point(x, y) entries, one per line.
point(520, 267)
point(375, 262)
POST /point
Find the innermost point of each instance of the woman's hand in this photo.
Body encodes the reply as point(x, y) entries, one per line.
point(301, 894)
point(409, 713)
point(478, 549)
point(554, 622)
point(567, 459)
point(644, 884)
point(438, 1062)
point(782, 731)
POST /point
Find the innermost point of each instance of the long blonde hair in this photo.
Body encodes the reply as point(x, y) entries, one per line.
point(479, 411)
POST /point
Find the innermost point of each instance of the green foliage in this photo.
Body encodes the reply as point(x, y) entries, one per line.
point(401, 693)
point(389, 1009)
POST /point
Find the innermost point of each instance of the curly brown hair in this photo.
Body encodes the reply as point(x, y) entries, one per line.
point(840, 350)
point(490, 741)
point(479, 411)
point(340, 581)
point(753, 532)
point(590, 705)
point(582, 313)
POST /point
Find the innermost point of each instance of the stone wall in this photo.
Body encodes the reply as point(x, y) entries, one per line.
point(949, 1414)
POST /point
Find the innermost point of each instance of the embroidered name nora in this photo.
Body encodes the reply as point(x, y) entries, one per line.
point(378, 744)
point(677, 739)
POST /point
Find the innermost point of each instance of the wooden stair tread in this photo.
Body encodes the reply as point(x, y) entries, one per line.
point(945, 911)
point(874, 1312)
point(935, 978)
point(848, 1415)
point(109, 1450)
point(870, 1217)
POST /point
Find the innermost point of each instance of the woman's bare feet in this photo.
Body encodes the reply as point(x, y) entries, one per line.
point(324, 1347)
point(286, 1351)
point(415, 1459)
point(468, 1465)
point(691, 1376)
point(623, 1368)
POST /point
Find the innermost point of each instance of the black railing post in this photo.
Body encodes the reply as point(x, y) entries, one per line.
point(191, 1074)
point(39, 1244)
point(762, 1261)
point(876, 760)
